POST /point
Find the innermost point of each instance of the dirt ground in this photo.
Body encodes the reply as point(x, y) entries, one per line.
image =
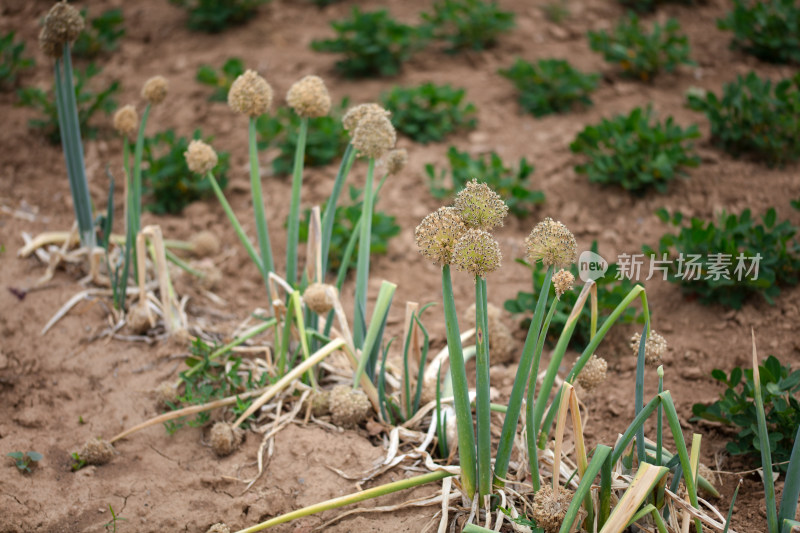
point(58, 390)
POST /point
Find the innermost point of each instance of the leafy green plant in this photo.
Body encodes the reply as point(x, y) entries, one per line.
point(89, 103)
point(208, 379)
point(12, 62)
point(25, 461)
point(731, 261)
point(373, 43)
point(221, 80)
point(468, 24)
point(611, 290)
point(647, 6)
point(429, 112)
point(325, 139)
point(214, 16)
point(513, 185)
point(768, 30)
point(736, 408)
point(630, 151)
point(384, 228)
point(101, 35)
point(167, 179)
point(550, 86)
point(639, 54)
point(755, 117)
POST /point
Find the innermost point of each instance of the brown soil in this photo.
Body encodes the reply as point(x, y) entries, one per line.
point(49, 384)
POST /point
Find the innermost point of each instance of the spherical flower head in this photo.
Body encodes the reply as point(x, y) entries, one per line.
point(593, 373)
point(355, 114)
point(126, 120)
point(550, 508)
point(250, 94)
point(374, 136)
point(438, 233)
point(349, 407)
point(200, 157)
point(480, 207)
point(563, 280)
point(654, 347)
point(205, 244)
point(552, 243)
point(395, 160)
point(319, 297)
point(155, 90)
point(62, 24)
point(224, 438)
point(309, 97)
point(477, 252)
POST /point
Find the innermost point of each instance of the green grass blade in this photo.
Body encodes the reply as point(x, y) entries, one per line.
point(639, 396)
point(422, 361)
point(680, 445)
point(362, 268)
point(483, 410)
point(262, 229)
point(601, 453)
point(136, 180)
point(766, 453)
point(293, 230)
point(791, 488)
point(333, 199)
point(379, 316)
point(605, 493)
point(524, 370)
point(730, 509)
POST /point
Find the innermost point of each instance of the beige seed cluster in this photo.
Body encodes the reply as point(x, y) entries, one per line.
point(374, 135)
point(96, 452)
point(224, 438)
point(205, 244)
point(396, 160)
point(593, 373)
point(155, 90)
point(62, 24)
point(200, 157)
point(550, 509)
point(250, 94)
point(139, 320)
point(166, 394)
point(654, 347)
point(563, 280)
point(552, 243)
point(355, 114)
point(480, 207)
point(126, 120)
point(319, 402)
point(502, 346)
point(477, 252)
point(309, 97)
point(438, 233)
point(219, 527)
point(349, 407)
point(319, 297)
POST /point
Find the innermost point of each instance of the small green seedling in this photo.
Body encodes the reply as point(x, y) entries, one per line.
point(78, 462)
point(111, 525)
point(26, 461)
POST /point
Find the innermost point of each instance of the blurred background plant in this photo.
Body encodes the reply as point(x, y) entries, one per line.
point(429, 112)
point(12, 61)
point(768, 30)
point(214, 16)
point(221, 79)
point(101, 35)
point(468, 24)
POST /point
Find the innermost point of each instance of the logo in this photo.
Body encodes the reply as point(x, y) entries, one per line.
point(591, 266)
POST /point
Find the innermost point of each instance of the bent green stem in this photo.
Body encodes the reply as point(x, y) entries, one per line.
point(258, 208)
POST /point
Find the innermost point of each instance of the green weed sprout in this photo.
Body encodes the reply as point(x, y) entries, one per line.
point(25, 462)
point(62, 25)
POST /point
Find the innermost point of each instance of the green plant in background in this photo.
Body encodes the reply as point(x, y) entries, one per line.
point(346, 217)
point(373, 43)
point(25, 461)
point(755, 117)
point(429, 112)
point(610, 292)
point(640, 54)
point(12, 62)
point(111, 525)
point(556, 11)
point(647, 6)
point(102, 34)
point(221, 80)
point(167, 179)
point(324, 143)
point(512, 184)
point(718, 262)
point(214, 16)
point(768, 30)
point(88, 104)
point(468, 24)
point(209, 379)
point(736, 408)
point(550, 86)
point(630, 151)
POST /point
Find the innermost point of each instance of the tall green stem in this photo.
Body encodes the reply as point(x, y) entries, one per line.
point(294, 208)
point(136, 181)
point(458, 377)
point(484, 413)
point(258, 207)
point(520, 382)
point(362, 269)
point(328, 215)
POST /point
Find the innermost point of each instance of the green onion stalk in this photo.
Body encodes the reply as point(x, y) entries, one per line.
point(362, 268)
point(294, 206)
